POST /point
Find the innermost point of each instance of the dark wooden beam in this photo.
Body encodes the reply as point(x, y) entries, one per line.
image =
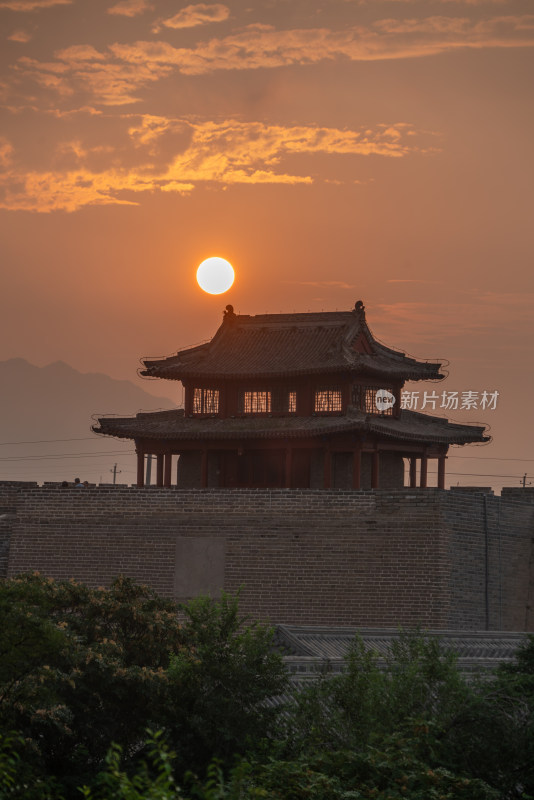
point(168, 468)
point(413, 472)
point(159, 469)
point(140, 468)
point(357, 468)
point(375, 470)
point(204, 469)
point(287, 467)
point(441, 472)
point(327, 469)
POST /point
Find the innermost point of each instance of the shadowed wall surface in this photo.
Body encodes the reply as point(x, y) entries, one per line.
point(383, 558)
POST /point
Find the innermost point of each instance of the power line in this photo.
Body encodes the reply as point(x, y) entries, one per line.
point(68, 455)
point(50, 441)
point(492, 458)
point(480, 475)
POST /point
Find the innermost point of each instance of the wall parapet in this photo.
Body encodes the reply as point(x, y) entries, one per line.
point(382, 558)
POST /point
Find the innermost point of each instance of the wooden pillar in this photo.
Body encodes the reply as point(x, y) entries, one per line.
point(357, 468)
point(159, 469)
point(441, 472)
point(424, 471)
point(327, 469)
point(167, 470)
point(375, 470)
point(413, 472)
point(140, 468)
point(204, 468)
point(287, 467)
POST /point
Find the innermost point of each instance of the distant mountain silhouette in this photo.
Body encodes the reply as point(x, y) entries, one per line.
point(56, 402)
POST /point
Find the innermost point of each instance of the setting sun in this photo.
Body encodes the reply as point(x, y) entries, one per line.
point(215, 275)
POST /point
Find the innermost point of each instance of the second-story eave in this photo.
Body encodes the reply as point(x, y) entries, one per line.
point(175, 427)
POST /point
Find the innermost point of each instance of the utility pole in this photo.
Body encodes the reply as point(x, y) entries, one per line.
point(115, 472)
point(148, 469)
point(524, 481)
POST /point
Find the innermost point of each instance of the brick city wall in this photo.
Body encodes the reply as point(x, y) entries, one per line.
point(383, 558)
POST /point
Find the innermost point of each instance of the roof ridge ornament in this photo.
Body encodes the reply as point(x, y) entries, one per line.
point(359, 309)
point(229, 314)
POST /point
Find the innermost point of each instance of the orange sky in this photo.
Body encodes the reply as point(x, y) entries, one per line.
point(331, 150)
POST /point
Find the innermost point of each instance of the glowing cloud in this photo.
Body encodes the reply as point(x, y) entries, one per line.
point(130, 8)
point(223, 153)
point(191, 16)
point(6, 152)
point(32, 5)
point(116, 75)
point(263, 47)
point(420, 2)
point(20, 36)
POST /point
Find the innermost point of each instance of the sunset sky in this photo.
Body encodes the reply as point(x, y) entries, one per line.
point(331, 150)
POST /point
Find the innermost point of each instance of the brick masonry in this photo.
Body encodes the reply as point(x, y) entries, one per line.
point(383, 558)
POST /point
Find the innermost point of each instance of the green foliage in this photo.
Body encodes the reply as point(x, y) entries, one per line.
point(512, 699)
point(152, 780)
point(390, 772)
point(222, 682)
point(18, 779)
point(83, 668)
point(84, 672)
point(472, 729)
point(370, 700)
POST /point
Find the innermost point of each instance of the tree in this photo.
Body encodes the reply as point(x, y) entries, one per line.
point(376, 697)
point(95, 671)
point(223, 682)
point(470, 729)
point(84, 668)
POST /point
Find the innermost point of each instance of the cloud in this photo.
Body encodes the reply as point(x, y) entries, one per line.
point(116, 75)
point(74, 189)
point(191, 16)
point(323, 284)
point(251, 152)
point(83, 69)
point(6, 152)
point(149, 129)
point(20, 36)
point(32, 5)
point(260, 47)
point(220, 153)
point(130, 8)
point(457, 2)
point(79, 53)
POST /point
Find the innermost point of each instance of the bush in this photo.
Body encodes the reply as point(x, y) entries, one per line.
point(223, 683)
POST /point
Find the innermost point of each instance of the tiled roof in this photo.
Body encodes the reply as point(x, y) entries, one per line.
point(173, 425)
point(279, 345)
point(308, 647)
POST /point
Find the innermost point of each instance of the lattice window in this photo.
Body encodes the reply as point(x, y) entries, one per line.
point(254, 402)
point(205, 401)
point(278, 400)
point(328, 400)
point(365, 398)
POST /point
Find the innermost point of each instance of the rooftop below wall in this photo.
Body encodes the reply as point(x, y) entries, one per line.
point(308, 649)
